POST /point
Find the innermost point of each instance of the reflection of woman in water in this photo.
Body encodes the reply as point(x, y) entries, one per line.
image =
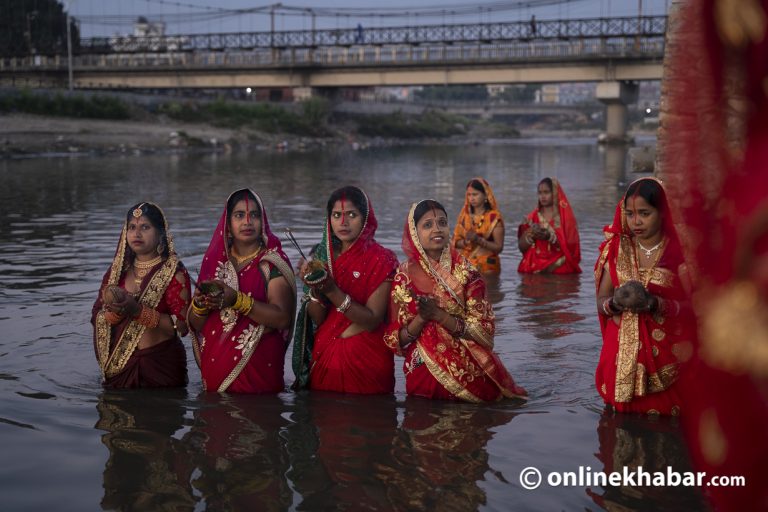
point(654, 444)
point(148, 468)
point(441, 456)
point(546, 305)
point(239, 452)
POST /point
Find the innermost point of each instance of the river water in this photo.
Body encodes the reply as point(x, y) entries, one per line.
point(69, 445)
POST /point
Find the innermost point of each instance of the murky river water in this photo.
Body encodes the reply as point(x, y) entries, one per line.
point(69, 445)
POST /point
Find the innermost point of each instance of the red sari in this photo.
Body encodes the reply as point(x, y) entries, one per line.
point(438, 365)
point(235, 353)
point(716, 164)
point(166, 289)
point(639, 361)
point(361, 363)
point(544, 256)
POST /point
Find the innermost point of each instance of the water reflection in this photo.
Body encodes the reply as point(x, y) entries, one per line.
point(548, 304)
point(441, 456)
point(239, 453)
point(655, 444)
point(147, 467)
point(343, 463)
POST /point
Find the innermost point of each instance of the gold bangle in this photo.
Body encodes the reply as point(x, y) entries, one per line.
point(247, 305)
point(199, 311)
point(238, 302)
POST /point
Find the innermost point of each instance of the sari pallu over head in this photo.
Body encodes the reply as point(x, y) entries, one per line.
point(460, 290)
point(228, 337)
point(491, 218)
point(644, 366)
point(566, 228)
point(114, 345)
point(359, 271)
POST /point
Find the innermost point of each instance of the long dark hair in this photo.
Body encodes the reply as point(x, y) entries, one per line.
point(426, 206)
point(156, 218)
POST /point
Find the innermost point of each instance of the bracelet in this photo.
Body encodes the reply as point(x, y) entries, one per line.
point(112, 317)
point(199, 310)
point(461, 328)
point(529, 237)
point(238, 302)
point(410, 337)
point(608, 309)
point(149, 318)
point(345, 304)
point(247, 304)
point(311, 296)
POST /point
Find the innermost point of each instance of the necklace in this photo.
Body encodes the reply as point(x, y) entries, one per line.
point(240, 259)
point(140, 268)
point(649, 252)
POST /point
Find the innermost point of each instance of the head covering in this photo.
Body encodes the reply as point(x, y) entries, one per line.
point(115, 344)
point(491, 217)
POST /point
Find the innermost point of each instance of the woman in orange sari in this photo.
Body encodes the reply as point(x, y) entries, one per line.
point(339, 331)
point(549, 237)
point(138, 316)
point(641, 302)
point(242, 312)
point(479, 233)
point(441, 320)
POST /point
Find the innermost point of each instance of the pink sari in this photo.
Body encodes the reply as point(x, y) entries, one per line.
point(236, 354)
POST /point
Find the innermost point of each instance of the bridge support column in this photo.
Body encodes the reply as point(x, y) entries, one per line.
point(616, 96)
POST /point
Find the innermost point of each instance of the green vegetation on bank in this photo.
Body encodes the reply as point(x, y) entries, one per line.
point(58, 105)
point(266, 117)
point(431, 124)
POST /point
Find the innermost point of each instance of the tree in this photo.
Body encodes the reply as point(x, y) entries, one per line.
point(34, 27)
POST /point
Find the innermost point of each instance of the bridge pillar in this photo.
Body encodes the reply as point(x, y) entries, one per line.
point(616, 96)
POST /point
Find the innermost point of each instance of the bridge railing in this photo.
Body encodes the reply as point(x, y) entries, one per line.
point(357, 56)
point(484, 33)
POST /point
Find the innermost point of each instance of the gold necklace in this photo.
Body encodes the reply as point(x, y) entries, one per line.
point(140, 269)
point(240, 259)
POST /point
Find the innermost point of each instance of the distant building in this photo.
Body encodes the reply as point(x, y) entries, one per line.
point(145, 28)
point(549, 93)
point(496, 90)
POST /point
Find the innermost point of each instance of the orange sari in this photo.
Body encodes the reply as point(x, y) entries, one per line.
point(545, 256)
point(438, 364)
point(639, 361)
point(485, 261)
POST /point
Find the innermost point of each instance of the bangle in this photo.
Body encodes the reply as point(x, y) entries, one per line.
point(238, 302)
point(608, 309)
point(409, 337)
point(247, 304)
point(199, 310)
point(311, 296)
point(112, 317)
point(148, 317)
point(529, 237)
point(461, 328)
point(345, 304)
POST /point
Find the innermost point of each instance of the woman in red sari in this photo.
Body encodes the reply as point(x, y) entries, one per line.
point(339, 331)
point(549, 237)
point(642, 305)
point(479, 233)
point(137, 317)
point(442, 321)
point(241, 318)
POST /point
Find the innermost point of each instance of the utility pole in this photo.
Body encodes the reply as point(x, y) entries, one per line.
point(69, 49)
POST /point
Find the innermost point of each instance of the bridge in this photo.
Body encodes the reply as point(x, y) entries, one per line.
point(608, 50)
point(483, 109)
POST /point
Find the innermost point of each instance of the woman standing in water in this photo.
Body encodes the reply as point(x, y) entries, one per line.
point(549, 237)
point(479, 233)
point(242, 313)
point(441, 320)
point(138, 316)
point(641, 305)
point(339, 331)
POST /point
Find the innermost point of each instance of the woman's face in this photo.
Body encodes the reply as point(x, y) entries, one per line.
point(143, 237)
point(642, 218)
point(346, 221)
point(245, 222)
point(475, 197)
point(432, 230)
point(545, 195)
